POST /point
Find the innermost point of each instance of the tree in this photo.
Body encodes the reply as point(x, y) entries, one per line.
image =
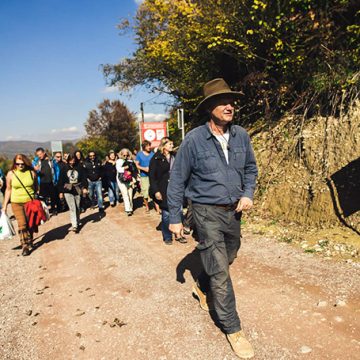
point(96, 143)
point(69, 147)
point(5, 164)
point(298, 55)
point(110, 126)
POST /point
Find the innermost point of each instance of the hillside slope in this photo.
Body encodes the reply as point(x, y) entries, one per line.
point(310, 170)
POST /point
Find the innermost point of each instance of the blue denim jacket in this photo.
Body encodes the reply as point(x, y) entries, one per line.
point(201, 173)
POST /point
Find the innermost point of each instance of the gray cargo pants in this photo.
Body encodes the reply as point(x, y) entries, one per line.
point(73, 202)
point(219, 241)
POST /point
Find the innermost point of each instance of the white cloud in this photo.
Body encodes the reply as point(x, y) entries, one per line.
point(110, 90)
point(67, 133)
point(71, 129)
point(12, 138)
point(153, 117)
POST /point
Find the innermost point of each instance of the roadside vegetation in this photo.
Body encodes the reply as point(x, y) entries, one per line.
point(297, 63)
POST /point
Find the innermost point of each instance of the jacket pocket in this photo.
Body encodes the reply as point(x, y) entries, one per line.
point(239, 155)
point(207, 162)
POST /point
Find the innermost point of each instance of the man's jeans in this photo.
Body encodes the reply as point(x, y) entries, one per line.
point(165, 221)
point(219, 241)
point(96, 186)
point(113, 192)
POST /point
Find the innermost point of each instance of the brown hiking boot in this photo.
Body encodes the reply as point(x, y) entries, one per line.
point(203, 301)
point(25, 251)
point(240, 345)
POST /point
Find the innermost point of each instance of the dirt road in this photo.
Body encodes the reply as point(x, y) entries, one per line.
point(114, 291)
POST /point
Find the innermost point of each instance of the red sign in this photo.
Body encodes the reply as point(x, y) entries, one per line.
point(153, 132)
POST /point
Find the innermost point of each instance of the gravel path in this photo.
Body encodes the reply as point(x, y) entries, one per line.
point(114, 291)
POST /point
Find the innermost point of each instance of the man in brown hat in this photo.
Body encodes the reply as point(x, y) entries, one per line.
point(216, 169)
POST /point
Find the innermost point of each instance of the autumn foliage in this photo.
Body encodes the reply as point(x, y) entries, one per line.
point(110, 126)
point(297, 56)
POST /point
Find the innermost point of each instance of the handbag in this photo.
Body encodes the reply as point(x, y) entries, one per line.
point(125, 177)
point(46, 210)
point(7, 230)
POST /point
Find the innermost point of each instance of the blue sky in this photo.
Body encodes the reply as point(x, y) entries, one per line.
point(50, 76)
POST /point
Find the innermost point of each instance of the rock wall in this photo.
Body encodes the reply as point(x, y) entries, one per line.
point(310, 170)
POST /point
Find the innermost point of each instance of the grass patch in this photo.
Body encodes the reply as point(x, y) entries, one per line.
point(310, 251)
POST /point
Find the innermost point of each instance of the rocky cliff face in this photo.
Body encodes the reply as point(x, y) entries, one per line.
point(310, 170)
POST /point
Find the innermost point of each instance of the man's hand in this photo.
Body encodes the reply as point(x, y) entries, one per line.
point(177, 229)
point(244, 204)
point(158, 196)
point(61, 195)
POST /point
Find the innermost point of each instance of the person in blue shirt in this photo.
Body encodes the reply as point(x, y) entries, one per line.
point(142, 162)
point(215, 168)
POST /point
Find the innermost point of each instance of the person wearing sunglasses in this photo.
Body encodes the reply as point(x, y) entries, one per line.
point(94, 173)
point(126, 178)
point(21, 186)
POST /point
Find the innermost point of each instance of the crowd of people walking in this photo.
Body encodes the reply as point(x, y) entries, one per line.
point(214, 173)
point(73, 183)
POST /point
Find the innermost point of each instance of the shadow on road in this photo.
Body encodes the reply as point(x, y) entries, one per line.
point(138, 203)
point(58, 233)
point(190, 262)
point(95, 217)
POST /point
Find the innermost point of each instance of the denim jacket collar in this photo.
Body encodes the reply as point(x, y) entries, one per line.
point(209, 133)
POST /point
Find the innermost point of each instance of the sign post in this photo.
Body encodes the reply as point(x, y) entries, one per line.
point(153, 132)
point(180, 116)
point(56, 146)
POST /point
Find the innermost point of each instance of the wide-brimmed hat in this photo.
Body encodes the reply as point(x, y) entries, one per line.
point(215, 88)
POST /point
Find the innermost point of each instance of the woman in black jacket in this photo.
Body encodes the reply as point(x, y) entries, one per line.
point(159, 174)
point(110, 178)
point(73, 184)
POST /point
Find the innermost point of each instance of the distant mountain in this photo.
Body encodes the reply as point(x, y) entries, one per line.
point(10, 148)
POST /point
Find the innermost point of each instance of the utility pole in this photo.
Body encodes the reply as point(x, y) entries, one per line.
point(142, 111)
point(180, 116)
